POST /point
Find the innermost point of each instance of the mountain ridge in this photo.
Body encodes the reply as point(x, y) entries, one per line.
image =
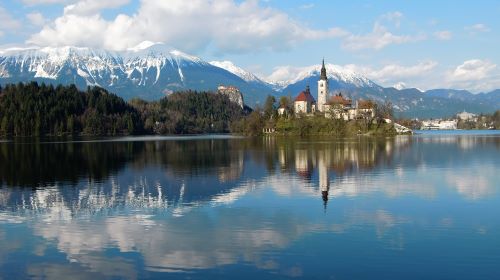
point(153, 70)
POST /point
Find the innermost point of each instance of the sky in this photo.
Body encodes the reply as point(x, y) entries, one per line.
point(422, 44)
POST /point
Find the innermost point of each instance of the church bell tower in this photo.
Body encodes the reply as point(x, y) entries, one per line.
point(323, 93)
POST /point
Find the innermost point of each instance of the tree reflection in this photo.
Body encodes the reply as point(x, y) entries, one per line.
point(191, 170)
point(165, 199)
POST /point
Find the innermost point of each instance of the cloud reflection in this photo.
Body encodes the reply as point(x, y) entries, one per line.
point(241, 206)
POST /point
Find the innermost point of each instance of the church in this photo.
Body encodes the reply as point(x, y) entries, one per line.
point(337, 106)
point(305, 103)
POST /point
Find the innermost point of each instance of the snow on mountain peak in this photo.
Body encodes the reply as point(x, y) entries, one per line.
point(230, 67)
point(399, 86)
point(141, 65)
point(186, 56)
point(160, 51)
point(287, 75)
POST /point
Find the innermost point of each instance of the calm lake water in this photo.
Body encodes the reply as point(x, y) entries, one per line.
point(421, 207)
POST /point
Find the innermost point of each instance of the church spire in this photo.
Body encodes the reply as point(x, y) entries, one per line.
point(323, 71)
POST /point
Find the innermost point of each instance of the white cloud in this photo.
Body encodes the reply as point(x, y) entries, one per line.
point(395, 73)
point(8, 23)
point(379, 38)
point(36, 19)
point(443, 35)
point(91, 7)
point(477, 28)
point(472, 70)
point(286, 73)
point(475, 75)
point(73, 30)
point(190, 25)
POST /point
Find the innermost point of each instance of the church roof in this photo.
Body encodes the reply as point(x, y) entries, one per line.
point(339, 99)
point(365, 104)
point(323, 72)
point(305, 96)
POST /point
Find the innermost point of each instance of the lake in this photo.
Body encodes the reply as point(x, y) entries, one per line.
point(212, 207)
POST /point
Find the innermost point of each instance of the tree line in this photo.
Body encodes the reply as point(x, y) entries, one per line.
point(31, 109)
point(189, 112)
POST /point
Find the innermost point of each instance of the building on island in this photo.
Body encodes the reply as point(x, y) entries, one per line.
point(337, 106)
point(305, 103)
point(282, 110)
point(342, 108)
point(366, 108)
point(323, 89)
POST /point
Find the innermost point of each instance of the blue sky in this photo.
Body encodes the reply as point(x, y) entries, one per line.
point(424, 44)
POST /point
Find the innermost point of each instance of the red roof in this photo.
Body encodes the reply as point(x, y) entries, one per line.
point(338, 99)
point(305, 96)
point(365, 104)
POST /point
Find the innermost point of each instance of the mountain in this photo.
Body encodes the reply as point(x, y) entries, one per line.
point(153, 70)
point(407, 102)
point(339, 78)
point(149, 71)
point(243, 74)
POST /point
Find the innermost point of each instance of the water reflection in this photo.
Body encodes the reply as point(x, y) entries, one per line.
point(208, 206)
point(181, 174)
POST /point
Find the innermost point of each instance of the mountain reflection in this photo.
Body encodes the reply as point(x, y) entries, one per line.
point(166, 173)
point(199, 204)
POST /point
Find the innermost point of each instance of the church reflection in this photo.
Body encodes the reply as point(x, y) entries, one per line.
point(165, 199)
point(167, 173)
point(324, 177)
point(319, 162)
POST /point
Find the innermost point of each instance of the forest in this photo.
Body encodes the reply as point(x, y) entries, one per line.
point(44, 110)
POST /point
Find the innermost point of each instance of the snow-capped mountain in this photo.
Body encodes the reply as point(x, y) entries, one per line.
point(152, 70)
point(336, 74)
point(240, 72)
point(149, 70)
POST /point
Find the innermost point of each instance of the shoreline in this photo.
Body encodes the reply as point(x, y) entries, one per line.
point(224, 136)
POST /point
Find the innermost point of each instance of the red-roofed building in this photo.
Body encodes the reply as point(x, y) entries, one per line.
point(305, 102)
point(339, 107)
point(340, 100)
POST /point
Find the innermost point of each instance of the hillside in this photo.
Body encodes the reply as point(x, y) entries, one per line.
point(44, 110)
